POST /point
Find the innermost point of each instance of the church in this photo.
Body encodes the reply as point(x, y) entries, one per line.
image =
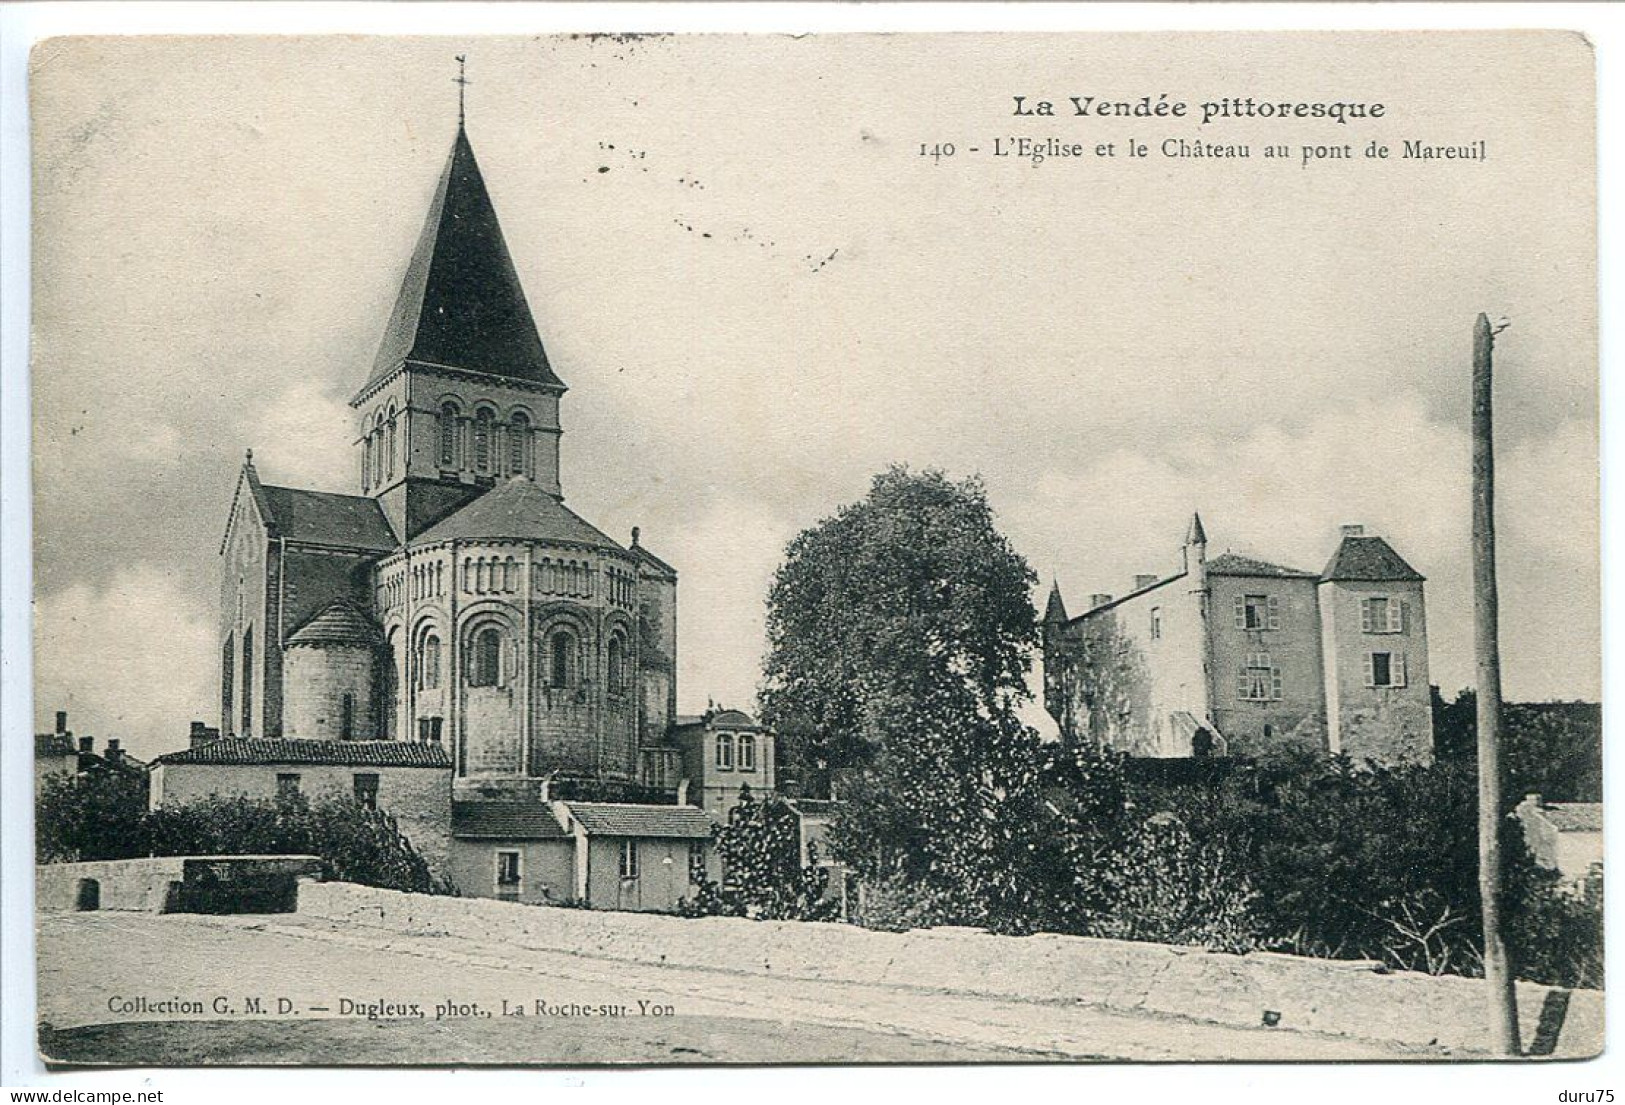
point(451, 632)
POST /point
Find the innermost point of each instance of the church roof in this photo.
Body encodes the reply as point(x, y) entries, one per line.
point(461, 304)
point(1229, 564)
point(656, 566)
point(339, 623)
point(325, 518)
point(518, 510)
point(1368, 560)
point(242, 752)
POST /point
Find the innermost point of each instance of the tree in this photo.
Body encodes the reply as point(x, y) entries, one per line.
point(763, 876)
point(910, 593)
point(1553, 749)
point(89, 816)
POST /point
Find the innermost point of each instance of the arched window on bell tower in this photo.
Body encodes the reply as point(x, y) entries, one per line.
point(483, 426)
point(449, 415)
point(520, 460)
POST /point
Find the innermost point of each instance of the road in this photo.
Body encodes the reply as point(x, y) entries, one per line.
point(108, 977)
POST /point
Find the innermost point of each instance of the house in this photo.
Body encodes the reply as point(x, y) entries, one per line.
point(1235, 656)
point(721, 751)
point(1565, 837)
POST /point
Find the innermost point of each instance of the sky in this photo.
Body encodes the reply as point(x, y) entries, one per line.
point(760, 294)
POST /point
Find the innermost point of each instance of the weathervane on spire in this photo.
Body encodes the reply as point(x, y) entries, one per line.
point(462, 82)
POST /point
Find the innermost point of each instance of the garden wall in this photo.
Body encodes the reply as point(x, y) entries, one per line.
point(1355, 999)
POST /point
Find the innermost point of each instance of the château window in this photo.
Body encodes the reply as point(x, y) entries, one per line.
point(747, 752)
point(725, 751)
point(448, 435)
point(561, 659)
point(1259, 680)
point(519, 447)
point(429, 663)
point(1258, 612)
point(1385, 669)
point(1381, 614)
point(485, 669)
point(482, 440)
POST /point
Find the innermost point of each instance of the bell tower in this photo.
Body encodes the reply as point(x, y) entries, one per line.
point(462, 394)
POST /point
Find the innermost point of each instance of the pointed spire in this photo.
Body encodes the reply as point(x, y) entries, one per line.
point(1196, 535)
point(1055, 610)
point(460, 303)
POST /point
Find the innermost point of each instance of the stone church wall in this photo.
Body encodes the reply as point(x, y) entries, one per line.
point(316, 681)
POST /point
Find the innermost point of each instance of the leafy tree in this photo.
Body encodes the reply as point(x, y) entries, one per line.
point(911, 592)
point(763, 876)
point(1553, 749)
point(89, 816)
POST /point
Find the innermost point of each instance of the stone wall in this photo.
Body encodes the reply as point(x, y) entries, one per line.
point(1386, 724)
point(316, 679)
point(1298, 717)
point(1351, 999)
point(546, 868)
point(160, 885)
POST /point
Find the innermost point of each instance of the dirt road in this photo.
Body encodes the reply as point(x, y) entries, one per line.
point(120, 987)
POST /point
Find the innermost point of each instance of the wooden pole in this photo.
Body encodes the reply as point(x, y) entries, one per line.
point(1502, 997)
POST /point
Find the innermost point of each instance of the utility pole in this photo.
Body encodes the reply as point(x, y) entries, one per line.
point(1501, 993)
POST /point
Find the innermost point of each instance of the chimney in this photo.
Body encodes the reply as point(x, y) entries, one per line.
point(202, 734)
point(114, 752)
point(1141, 582)
point(682, 792)
point(1534, 800)
point(635, 534)
point(61, 723)
point(1098, 601)
point(87, 745)
point(1353, 531)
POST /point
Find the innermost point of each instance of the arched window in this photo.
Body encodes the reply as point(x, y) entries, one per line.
point(248, 682)
point(486, 661)
point(389, 452)
point(378, 450)
point(561, 659)
point(429, 663)
point(448, 435)
point(482, 440)
point(366, 461)
point(747, 752)
point(617, 665)
point(519, 451)
point(228, 662)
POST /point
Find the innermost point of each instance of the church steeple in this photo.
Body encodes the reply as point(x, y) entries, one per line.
point(461, 305)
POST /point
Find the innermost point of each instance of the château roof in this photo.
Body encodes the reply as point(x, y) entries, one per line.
point(338, 623)
point(518, 510)
point(326, 518)
point(1230, 564)
point(461, 304)
point(1368, 560)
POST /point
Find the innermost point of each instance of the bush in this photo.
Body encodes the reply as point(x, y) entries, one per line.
point(763, 876)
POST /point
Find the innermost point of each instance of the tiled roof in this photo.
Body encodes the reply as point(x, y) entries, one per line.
point(339, 623)
point(505, 820)
point(624, 819)
point(325, 518)
point(460, 303)
point(1229, 564)
point(1368, 559)
point(517, 510)
point(1575, 817)
point(313, 752)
